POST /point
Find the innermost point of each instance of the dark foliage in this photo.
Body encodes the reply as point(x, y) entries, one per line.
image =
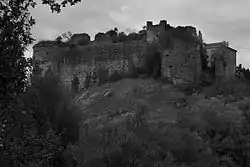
point(113, 34)
point(102, 75)
point(24, 115)
point(122, 37)
point(186, 34)
point(39, 120)
point(116, 36)
point(87, 81)
point(15, 24)
point(75, 83)
point(153, 61)
point(114, 77)
point(243, 74)
point(198, 139)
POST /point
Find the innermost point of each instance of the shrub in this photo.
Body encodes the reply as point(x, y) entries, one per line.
point(138, 143)
point(141, 70)
point(133, 72)
point(226, 139)
point(188, 88)
point(102, 75)
point(152, 61)
point(114, 77)
point(200, 139)
point(237, 89)
point(43, 121)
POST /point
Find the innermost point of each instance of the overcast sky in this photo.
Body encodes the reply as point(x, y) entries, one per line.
point(218, 20)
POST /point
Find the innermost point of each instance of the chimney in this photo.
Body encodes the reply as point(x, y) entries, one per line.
point(149, 25)
point(163, 24)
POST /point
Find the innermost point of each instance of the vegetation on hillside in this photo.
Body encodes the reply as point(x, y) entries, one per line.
point(243, 73)
point(211, 141)
point(20, 143)
point(40, 122)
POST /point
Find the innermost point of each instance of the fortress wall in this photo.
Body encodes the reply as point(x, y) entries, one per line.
point(114, 57)
point(182, 64)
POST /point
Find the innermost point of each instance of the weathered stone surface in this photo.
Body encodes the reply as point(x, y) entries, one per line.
point(223, 58)
point(180, 63)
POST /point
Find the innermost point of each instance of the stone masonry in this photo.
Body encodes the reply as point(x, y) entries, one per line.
point(114, 57)
point(180, 63)
point(224, 59)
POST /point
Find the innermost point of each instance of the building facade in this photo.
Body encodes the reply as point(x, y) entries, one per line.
point(223, 58)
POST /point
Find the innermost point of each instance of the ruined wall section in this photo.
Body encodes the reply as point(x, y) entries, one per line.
point(182, 64)
point(46, 56)
point(230, 58)
point(113, 57)
point(224, 61)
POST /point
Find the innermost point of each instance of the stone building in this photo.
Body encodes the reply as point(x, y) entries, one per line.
point(181, 61)
point(223, 58)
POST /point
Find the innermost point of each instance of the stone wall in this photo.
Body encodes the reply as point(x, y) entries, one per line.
point(230, 58)
point(114, 57)
point(180, 63)
point(225, 61)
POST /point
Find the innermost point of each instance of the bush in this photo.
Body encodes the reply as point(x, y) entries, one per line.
point(237, 89)
point(226, 139)
point(198, 139)
point(114, 77)
point(133, 72)
point(152, 61)
point(188, 88)
point(43, 121)
point(46, 110)
point(102, 75)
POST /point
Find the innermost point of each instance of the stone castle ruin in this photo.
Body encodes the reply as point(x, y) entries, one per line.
point(222, 58)
point(179, 48)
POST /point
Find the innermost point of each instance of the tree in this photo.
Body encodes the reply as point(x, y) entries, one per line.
point(15, 24)
point(15, 35)
point(80, 39)
point(64, 37)
point(226, 43)
point(113, 33)
point(122, 37)
point(59, 39)
point(133, 36)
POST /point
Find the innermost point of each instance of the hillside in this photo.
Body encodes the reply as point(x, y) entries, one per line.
point(150, 104)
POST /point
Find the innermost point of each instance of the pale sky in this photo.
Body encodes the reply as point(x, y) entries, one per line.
point(218, 20)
